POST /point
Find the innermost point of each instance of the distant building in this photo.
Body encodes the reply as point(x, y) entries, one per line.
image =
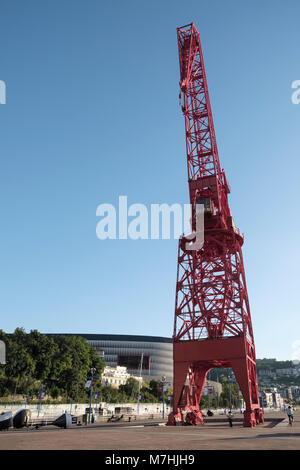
point(287, 372)
point(295, 390)
point(265, 373)
point(268, 399)
point(283, 392)
point(116, 376)
point(277, 400)
point(215, 387)
point(273, 399)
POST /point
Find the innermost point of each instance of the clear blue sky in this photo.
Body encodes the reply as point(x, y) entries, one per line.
point(92, 113)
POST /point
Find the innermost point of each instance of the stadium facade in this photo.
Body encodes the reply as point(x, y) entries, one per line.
point(148, 356)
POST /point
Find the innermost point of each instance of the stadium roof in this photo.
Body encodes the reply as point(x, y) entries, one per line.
point(106, 337)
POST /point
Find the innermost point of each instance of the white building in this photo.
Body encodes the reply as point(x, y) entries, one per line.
point(212, 387)
point(265, 373)
point(291, 371)
point(295, 390)
point(277, 400)
point(268, 399)
point(116, 376)
point(273, 399)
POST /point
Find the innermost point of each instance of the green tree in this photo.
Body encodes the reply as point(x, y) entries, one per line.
point(20, 365)
point(131, 388)
point(43, 349)
point(224, 396)
point(72, 365)
point(111, 394)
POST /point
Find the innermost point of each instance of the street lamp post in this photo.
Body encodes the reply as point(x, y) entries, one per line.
point(229, 388)
point(208, 389)
point(163, 390)
point(140, 380)
point(93, 370)
point(42, 393)
point(261, 394)
point(97, 395)
point(240, 401)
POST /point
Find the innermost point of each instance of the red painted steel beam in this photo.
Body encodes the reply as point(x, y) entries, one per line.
point(212, 321)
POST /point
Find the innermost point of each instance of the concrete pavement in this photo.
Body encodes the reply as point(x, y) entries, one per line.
point(215, 435)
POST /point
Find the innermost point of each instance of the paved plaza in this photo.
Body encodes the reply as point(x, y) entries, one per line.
point(274, 434)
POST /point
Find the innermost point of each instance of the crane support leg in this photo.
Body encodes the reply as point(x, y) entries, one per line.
point(192, 361)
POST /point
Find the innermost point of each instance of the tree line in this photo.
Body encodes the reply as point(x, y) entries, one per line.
point(57, 365)
point(149, 392)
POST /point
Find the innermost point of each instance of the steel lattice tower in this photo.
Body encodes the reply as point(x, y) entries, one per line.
point(212, 327)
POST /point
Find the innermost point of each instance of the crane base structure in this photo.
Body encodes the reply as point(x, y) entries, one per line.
point(234, 352)
point(212, 321)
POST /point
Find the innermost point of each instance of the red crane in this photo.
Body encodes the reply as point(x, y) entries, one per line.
point(212, 327)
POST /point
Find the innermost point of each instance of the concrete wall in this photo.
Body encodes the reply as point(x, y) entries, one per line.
point(109, 408)
point(144, 409)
